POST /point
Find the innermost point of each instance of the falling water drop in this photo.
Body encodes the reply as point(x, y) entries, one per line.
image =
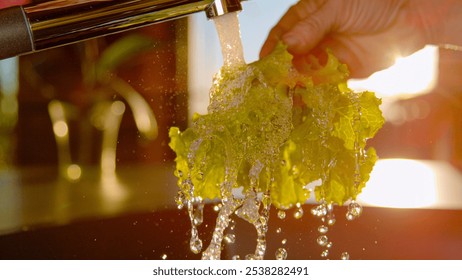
point(195, 245)
point(217, 207)
point(284, 241)
point(323, 229)
point(278, 230)
point(354, 211)
point(319, 210)
point(345, 256)
point(230, 238)
point(281, 254)
point(322, 240)
point(164, 256)
point(281, 214)
point(298, 214)
point(325, 253)
point(236, 257)
point(331, 219)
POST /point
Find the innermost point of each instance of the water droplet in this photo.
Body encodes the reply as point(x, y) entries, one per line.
point(330, 207)
point(298, 214)
point(278, 230)
point(331, 219)
point(195, 245)
point(266, 200)
point(217, 207)
point(281, 254)
point(232, 224)
point(354, 211)
point(319, 211)
point(199, 215)
point(164, 256)
point(180, 199)
point(329, 245)
point(281, 214)
point(236, 257)
point(322, 240)
point(325, 253)
point(323, 229)
point(345, 256)
point(230, 238)
point(284, 241)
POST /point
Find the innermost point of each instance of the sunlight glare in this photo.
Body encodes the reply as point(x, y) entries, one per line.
point(400, 183)
point(409, 76)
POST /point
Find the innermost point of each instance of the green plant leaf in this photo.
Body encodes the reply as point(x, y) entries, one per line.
point(273, 129)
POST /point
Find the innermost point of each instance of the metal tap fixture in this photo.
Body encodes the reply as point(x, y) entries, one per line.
point(25, 29)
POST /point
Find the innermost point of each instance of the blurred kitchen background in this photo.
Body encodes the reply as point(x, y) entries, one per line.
point(86, 171)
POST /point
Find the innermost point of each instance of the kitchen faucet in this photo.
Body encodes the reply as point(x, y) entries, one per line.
point(51, 23)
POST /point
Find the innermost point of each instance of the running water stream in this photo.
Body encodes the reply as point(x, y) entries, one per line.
point(253, 205)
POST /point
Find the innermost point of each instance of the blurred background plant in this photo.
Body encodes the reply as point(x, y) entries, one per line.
point(9, 88)
point(98, 103)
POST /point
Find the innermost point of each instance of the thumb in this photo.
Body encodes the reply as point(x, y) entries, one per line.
point(305, 35)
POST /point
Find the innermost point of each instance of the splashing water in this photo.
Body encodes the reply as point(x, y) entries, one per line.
point(247, 141)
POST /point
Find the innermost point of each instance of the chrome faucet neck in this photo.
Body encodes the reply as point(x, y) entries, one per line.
point(221, 7)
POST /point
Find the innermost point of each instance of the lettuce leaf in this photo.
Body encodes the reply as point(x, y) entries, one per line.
point(273, 129)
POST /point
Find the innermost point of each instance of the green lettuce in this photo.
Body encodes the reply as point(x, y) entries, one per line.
point(272, 129)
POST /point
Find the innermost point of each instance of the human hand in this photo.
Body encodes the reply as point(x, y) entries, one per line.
point(366, 35)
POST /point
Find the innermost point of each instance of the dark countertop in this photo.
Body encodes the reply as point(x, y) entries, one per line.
point(38, 196)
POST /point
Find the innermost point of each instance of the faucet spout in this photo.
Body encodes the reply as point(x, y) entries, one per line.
point(221, 7)
point(54, 23)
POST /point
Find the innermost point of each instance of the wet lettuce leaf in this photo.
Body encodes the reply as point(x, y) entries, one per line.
point(273, 129)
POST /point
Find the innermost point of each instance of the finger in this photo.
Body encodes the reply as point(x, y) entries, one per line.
point(306, 34)
point(360, 61)
point(295, 14)
point(270, 43)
